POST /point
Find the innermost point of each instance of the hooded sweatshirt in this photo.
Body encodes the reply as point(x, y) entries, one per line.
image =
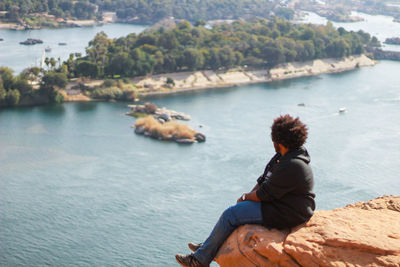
point(286, 190)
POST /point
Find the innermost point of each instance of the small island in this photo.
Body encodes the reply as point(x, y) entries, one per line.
point(160, 124)
point(168, 131)
point(31, 41)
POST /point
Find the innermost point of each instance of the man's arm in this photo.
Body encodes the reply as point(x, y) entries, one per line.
point(251, 195)
point(282, 181)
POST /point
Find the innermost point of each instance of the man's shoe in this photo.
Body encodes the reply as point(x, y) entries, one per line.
point(188, 260)
point(194, 246)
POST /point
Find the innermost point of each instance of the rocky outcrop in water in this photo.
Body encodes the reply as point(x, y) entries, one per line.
point(31, 41)
point(167, 130)
point(161, 114)
point(394, 40)
point(360, 234)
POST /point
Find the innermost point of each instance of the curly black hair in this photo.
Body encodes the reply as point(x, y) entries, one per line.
point(289, 132)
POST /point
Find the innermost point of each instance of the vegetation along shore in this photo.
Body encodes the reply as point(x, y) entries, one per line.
point(66, 13)
point(35, 14)
point(188, 57)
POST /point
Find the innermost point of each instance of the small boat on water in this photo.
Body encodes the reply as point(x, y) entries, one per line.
point(1, 39)
point(342, 110)
point(47, 49)
point(62, 43)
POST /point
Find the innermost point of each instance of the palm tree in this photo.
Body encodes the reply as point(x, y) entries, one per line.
point(47, 62)
point(53, 62)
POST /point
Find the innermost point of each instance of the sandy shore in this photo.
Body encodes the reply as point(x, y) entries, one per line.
point(200, 80)
point(154, 85)
point(108, 17)
point(10, 26)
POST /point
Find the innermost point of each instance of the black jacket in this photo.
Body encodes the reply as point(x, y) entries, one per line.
point(285, 190)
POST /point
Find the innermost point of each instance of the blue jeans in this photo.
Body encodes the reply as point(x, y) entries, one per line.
point(245, 212)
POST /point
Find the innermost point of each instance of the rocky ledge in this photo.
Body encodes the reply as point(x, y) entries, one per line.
point(360, 234)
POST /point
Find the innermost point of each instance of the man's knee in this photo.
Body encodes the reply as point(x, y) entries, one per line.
point(229, 216)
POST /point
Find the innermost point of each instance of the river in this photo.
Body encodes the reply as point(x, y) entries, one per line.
point(79, 188)
point(19, 57)
point(380, 26)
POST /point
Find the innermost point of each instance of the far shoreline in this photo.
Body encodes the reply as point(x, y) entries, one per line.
point(197, 81)
point(155, 85)
point(108, 17)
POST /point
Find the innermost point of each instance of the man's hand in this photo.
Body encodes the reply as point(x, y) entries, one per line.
point(240, 199)
point(250, 196)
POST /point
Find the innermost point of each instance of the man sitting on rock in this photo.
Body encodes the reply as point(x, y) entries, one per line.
point(282, 198)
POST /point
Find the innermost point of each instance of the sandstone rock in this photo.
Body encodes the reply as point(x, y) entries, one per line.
point(360, 234)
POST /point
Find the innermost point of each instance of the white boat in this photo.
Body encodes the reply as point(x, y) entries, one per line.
point(342, 110)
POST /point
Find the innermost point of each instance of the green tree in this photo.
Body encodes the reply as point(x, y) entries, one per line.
point(7, 76)
point(338, 48)
point(98, 49)
point(200, 23)
point(273, 55)
point(285, 13)
point(54, 79)
point(22, 85)
point(120, 64)
point(170, 81)
point(192, 59)
point(53, 63)
point(3, 92)
point(47, 62)
point(213, 61)
point(143, 63)
point(87, 69)
point(226, 57)
point(13, 13)
point(58, 97)
point(51, 83)
point(12, 97)
point(168, 41)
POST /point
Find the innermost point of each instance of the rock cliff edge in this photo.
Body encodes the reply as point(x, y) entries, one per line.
point(360, 234)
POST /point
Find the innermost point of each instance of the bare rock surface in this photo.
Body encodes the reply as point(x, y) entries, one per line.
point(360, 234)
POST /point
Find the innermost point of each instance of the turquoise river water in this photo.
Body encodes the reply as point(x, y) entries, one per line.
point(79, 188)
point(19, 57)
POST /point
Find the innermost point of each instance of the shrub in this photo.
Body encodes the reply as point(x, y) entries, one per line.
point(109, 83)
point(13, 97)
point(52, 79)
point(107, 93)
point(150, 108)
point(128, 92)
point(168, 130)
point(58, 97)
point(170, 81)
